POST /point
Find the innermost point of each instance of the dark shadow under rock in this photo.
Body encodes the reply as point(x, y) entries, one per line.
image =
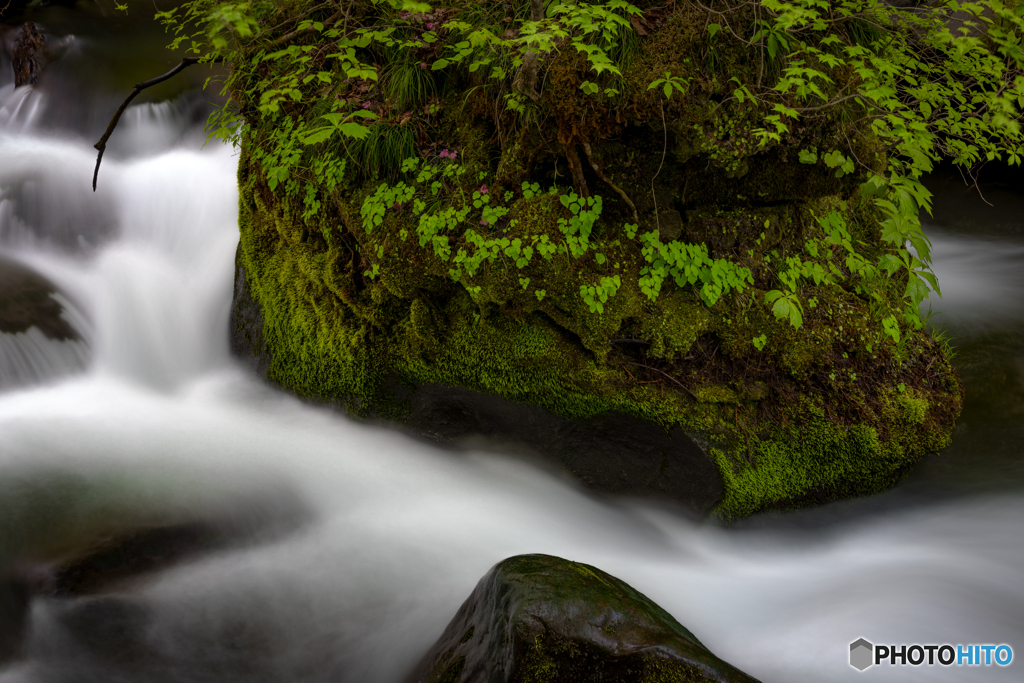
point(609, 453)
point(542, 618)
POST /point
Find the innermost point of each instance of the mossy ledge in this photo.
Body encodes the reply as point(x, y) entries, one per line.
point(364, 318)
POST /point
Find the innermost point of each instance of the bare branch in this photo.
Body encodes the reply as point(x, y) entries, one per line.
point(139, 87)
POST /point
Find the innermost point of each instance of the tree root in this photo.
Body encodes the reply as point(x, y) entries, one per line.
point(608, 181)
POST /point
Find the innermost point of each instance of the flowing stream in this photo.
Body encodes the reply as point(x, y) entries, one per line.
point(357, 544)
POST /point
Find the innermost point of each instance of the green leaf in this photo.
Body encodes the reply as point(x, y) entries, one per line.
point(354, 130)
point(808, 156)
point(318, 135)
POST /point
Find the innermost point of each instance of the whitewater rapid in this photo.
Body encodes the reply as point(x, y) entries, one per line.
point(382, 536)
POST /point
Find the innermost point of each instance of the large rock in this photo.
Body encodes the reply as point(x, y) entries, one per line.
point(403, 298)
point(542, 618)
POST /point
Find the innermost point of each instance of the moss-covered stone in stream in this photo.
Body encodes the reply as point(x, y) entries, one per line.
point(542, 619)
point(363, 315)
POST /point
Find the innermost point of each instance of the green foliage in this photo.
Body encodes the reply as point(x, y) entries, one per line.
point(595, 296)
point(669, 84)
point(688, 264)
point(336, 94)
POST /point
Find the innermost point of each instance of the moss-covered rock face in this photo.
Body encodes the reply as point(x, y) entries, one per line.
point(542, 619)
point(411, 278)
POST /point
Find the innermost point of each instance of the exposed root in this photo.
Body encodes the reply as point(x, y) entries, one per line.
point(608, 181)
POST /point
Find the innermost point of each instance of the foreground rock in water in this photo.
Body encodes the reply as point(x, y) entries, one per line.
point(542, 618)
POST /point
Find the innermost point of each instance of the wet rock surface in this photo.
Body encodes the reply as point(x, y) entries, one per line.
point(543, 618)
point(26, 300)
point(26, 55)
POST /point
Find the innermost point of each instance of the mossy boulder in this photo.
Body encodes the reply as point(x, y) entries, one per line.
point(542, 619)
point(373, 291)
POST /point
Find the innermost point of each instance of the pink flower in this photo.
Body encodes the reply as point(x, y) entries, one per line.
point(445, 154)
point(423, 65)
point(404, 15)
point(483, 189)
point(484, 223)
point(429, 25)
point(367, 104)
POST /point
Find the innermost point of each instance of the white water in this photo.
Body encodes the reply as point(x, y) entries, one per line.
point(163, 427)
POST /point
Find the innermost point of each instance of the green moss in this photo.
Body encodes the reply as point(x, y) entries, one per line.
point(801, 416)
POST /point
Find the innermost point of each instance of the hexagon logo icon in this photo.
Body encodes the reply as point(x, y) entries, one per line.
point(861, 654)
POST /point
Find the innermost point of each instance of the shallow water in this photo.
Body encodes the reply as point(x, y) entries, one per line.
point(162, 427)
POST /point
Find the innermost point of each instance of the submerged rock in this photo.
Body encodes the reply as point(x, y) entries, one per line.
point(537, 618)
point(37, 343)
point(26, 300)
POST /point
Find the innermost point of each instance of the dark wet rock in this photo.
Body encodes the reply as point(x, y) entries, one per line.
point(120, 558)
point(26, 300)
point(542, 618)
point(246, 325)
point(27, 55)
point(134, 554)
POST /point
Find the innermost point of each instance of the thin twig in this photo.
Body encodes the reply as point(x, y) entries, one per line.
point(139, 87)
point(661, 372)
point(664, 150)
point(606, 179)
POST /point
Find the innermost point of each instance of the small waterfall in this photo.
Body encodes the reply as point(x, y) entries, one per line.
point(143, 254)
